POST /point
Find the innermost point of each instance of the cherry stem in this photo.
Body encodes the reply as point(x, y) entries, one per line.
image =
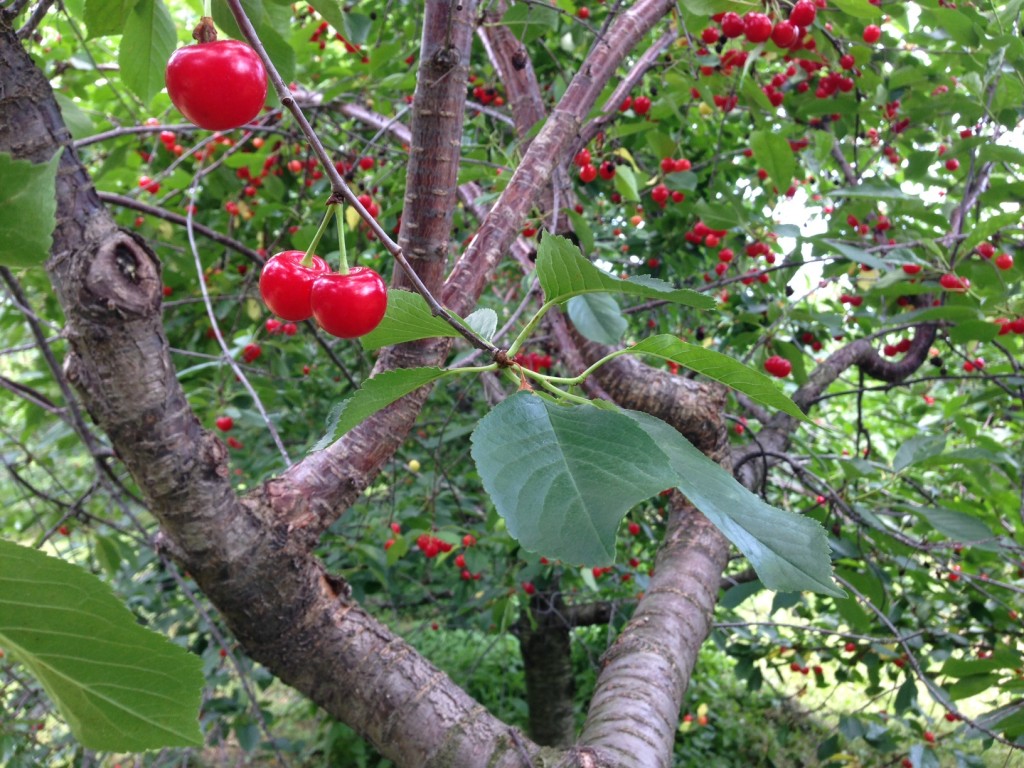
point(307, 260)
point(205, 31)
point(341, 190)
point(343, 255)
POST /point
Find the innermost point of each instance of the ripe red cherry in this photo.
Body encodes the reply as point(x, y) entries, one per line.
point(784, 34)
point(872, 33)
point(986, 250)
point(350, 305)
point(846, 61)
point(777, 366)
point(911, 269)
point(1004, 261)
point(952, 164)
point(218, 85)
point(641, 105)
point(757, 27)
point(803, 14)
point(732, 25)
point(953, 282)
point(286, 284)
point(225, 423)
point(588, 173)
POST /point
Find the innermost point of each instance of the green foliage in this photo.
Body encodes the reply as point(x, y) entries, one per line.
point(120, 686)
point(28, 205)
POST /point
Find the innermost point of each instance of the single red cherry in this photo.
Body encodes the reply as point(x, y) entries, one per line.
point(225, 423)
point(784, 34)
point(1004, 261)
point(286, 284)
point(732, 25)
point(872, 33)
point(588, 173)
point(218, 85)
point(777, 366)
point(350, 305)
point(911, 269)
point(953, 282)
point(803, 14)
point(757, 27)
point(641, 105)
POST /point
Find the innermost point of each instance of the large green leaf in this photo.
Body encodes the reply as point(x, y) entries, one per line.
point(148, 41)
point(772, 152)
point(564, 272)
point(107, 17)
point(563, 477)
point(598, 317)
point(376, 393)
point(28, 207)
point(120, 686)
point(408, 318)
point(789, 552)
point(719, 367)
point(955, 525)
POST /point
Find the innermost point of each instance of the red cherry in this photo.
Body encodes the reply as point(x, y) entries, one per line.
point(777, 366)
point(709, 36)
point(953, 282)
point(850, 647)
point(583, 12)
point(251, 352)
point(588, 173)
point(803, 14)
point(1004, 261)
point(286, 284)
point(218, 85)
point(350, 305)
point(366, 163)
point(607, 170)
point(582, 157)
point(911, 269)
point(952, 164)
point(641, 105)
point(225, 423)
point(234, 443)
point(732, 25)
point(757, 27)
point(846, 61)
point(986, 250)
point(528, 588)
point(784, 34)
point(660, 195)
point(872, 33)
point(634, 529)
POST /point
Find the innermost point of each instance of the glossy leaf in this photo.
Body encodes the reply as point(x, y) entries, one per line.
point(598, 317)
point(721, 368)
point(148, 41)
point(772, 152)
point(563, 477)
point(376, 393)
point(789, 552)
point(408, 318)
point(564, 273)
point(120, 686)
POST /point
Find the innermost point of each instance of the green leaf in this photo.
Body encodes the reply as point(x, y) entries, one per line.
point(625, 184)
point(376, 393)
point(528, 21)
point(772, 152)
point(484, 322)
point(563, 477)
point(107, 17)
point(721, 368)
point(564, 272)
point(721, 215)
point(973, 330)
point(581, 227)
point(28, 207)
point(148, 41)
point(917, 449)
point(598, 317)
point(408, 318)
point(788, 552)
point(859, 9)
point(357, 27)
point(955, 525)
point(120, 686)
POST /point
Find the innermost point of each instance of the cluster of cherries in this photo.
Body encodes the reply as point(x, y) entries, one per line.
point(533, 361)
point(221, 85)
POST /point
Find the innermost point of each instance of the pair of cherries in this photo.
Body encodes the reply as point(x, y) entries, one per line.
point(346, 305)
